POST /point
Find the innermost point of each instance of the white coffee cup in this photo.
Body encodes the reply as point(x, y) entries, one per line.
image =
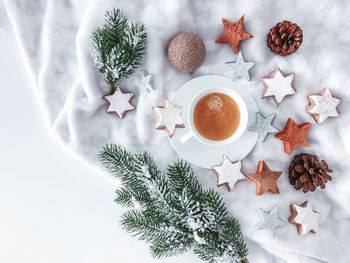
point(193, 133)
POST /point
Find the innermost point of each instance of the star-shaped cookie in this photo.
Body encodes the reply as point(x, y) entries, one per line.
point(323, 105)
point(240, 68)
point(119, 102)
point(263, 126)
point(304, 217)
point(229, 173)
point(294, 135)
point(265, 179)
point(168, 117)
point(269, 220)
point(278, 85)
point(233, 34)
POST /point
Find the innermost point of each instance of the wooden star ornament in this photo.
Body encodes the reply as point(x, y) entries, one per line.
point(265, 179)
point(168, 117)
point(304, 217)
point(294, 135)
point(233, 34)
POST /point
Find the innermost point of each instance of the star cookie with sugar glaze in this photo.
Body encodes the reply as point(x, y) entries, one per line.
point(304, 217)
point(168, 117)
point(294, 135)
point(233, 34)
point(278, 85)
point(119, 102)
point(323, 105)
point(229, 173)
point(265, 179)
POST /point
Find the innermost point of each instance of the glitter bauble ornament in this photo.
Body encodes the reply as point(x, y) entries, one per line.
point(186, 52)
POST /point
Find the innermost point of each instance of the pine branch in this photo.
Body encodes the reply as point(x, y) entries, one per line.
point(148, 225)
point(117, 47)
point(231, 233)
point(129, 198)
point(181, 175)
point(176, 214)
point(215, 206)
point(118, 161)
point(170, 246)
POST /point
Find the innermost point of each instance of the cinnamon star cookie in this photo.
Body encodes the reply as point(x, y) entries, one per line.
point(278, 85)
point(323, 105)
point(304, 217)
point(168, 117)
point(119, 102)
point(229, 173)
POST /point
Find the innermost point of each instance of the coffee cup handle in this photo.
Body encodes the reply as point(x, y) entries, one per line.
point(186, 137)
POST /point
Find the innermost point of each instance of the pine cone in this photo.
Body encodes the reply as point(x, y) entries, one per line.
point(285, 38)
point(308, 172)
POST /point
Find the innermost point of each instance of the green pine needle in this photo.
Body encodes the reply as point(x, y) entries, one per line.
point(118, 47)
point(171, 211)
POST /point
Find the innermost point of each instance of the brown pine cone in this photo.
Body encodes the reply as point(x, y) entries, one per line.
point(308, 172)
point(285, 38)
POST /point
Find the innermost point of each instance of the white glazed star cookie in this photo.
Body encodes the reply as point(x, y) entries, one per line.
point(168, 117)
point(323, 105)
point(304, 217)
point(119, 102)
point(229, 173)
point(278, 85)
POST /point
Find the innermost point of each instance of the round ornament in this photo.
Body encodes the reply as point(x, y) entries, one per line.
point(186, 52)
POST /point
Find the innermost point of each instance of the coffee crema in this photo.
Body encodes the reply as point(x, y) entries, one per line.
point(216, 116)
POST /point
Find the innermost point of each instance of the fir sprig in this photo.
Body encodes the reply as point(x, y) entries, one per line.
point(118, 47)
point(171, 211)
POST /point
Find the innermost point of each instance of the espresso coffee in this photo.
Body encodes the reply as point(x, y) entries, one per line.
point(216, 116)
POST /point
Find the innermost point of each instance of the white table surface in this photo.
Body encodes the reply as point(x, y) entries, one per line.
point(53, 207)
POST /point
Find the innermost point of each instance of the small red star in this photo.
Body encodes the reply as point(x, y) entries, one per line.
point(233, 34)
point(265, 179)
point(294, 135)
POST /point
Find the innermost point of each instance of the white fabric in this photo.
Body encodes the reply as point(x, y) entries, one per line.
point(53, 36)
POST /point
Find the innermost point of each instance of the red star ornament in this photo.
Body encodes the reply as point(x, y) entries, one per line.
point(233, 34)
point(294, 135)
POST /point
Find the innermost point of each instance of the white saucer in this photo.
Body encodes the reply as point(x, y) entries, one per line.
point(198, 153)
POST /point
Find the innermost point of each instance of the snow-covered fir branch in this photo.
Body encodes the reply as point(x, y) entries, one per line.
point(174, 214)
point(117, 48)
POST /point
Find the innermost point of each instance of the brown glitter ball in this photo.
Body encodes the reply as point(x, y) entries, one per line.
point(186, 52)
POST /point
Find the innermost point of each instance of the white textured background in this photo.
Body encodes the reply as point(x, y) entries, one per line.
point(53, 209)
